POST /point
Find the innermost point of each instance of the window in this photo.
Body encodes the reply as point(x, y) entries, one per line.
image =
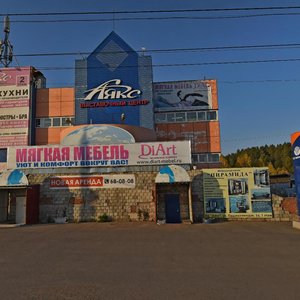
point(170, 117)
point(202, 157)
point(185, 116)
point(160, 118)
point(205, 157)
point(3, 155)
point(180, 117)
point(211, 115)
point(213, 157)
point(56, 122)
point(201, 115)
point(47, 122)
point(191, 116)
point(68, 121)
point(38, 123)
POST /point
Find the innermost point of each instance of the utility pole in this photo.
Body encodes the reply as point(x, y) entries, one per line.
point(6, 48)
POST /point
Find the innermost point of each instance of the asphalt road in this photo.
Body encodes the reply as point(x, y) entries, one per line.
point(149, 261)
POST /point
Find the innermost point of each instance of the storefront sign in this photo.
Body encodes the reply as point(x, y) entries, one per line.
point(92, 181)
point(164, 153)
point(237, 193)
point(113, 90)
point(14, 106)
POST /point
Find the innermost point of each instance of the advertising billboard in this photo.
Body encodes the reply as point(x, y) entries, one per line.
point(57, 156)
point(295, 141)
point(14, 106)
point(182, 95)
point(237, 193)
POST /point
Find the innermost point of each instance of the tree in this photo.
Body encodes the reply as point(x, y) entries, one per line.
point(277, 157)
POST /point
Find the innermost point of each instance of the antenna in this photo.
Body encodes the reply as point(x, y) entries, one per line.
point(143, 49)
point(6, 48)
point(114, 20)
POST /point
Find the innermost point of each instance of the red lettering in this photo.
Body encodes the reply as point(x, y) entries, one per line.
point(79, 153)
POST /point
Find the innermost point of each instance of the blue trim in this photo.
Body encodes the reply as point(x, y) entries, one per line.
point(169, 172)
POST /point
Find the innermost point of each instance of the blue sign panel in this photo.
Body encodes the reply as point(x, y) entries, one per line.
point(113, 94)
point(296, 159)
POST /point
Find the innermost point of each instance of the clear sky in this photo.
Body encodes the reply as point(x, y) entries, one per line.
point(258, 102)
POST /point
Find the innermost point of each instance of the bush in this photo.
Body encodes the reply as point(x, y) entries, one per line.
point(104, 218)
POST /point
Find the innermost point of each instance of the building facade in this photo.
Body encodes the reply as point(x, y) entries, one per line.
point(117, 143)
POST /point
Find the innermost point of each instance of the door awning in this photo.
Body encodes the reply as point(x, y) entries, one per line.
point(172, 173)
point(13, 178)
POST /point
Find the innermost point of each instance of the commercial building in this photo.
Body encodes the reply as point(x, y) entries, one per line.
point(117, 143)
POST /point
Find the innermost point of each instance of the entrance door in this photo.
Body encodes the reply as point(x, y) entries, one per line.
point(20, 210)
point(3, 205)
point(172, 208)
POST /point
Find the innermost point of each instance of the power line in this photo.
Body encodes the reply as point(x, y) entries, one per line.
point(158, 18)
point(259, 81)
point(170, 50)
point(183, 64)
point(155, 11)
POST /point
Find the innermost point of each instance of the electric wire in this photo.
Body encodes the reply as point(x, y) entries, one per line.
point(173, 50)
point(60, 68)
point(156, 18)
point(233, 9)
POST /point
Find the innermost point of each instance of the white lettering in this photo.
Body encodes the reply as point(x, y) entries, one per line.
point(112, 89)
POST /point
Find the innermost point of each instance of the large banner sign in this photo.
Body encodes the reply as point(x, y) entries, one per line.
point(237, 193)
point(295, 141)
point(182, 95)
point(14, 106)
point(157, 153)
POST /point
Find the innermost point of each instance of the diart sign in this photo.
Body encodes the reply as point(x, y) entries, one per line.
point(113, 90)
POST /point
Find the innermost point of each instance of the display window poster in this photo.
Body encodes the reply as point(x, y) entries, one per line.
point(237, 193)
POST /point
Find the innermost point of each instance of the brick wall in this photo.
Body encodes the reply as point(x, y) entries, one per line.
point(284, 209)
point(125, 204)
point(89, 204)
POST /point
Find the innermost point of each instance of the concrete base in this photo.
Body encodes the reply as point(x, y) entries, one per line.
point(60, 220)
point(296, 224)
point(11, 225)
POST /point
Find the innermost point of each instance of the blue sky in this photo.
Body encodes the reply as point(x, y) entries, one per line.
point(259, 102)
